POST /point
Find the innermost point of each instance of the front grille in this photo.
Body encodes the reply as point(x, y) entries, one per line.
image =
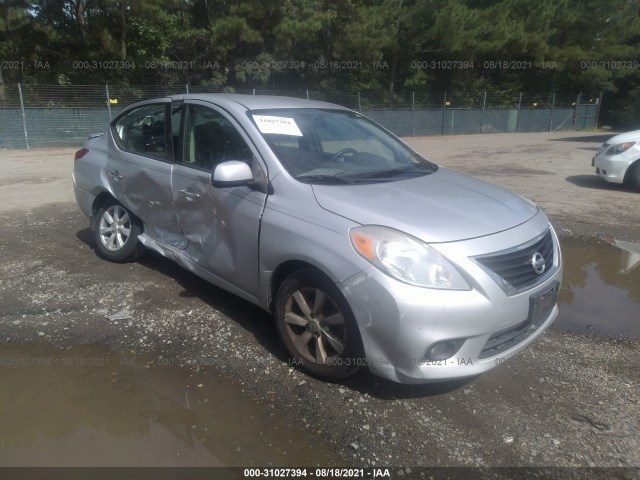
point(515, 266)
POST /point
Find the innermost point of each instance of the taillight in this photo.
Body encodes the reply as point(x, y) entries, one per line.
point(80, 153)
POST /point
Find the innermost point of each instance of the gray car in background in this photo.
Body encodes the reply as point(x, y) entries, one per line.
point(366, 253)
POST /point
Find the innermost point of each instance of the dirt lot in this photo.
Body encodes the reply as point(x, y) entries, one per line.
point(568, 400)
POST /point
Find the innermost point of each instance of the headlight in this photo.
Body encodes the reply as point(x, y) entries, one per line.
point(620, 147)
point(405, 258)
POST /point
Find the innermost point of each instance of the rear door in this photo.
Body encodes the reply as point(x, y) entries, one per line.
point(221, 225)
point(139, 165)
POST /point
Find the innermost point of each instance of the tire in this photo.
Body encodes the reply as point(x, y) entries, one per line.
point(317, 326)
point(634, 176)
point(116, 232)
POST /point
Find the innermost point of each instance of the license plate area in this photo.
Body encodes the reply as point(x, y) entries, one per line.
point(541, 304)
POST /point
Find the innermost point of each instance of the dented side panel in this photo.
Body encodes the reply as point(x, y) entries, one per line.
point(143, 185)
point(221, 226)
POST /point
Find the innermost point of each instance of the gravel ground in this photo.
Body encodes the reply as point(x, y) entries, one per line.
point(567, 400)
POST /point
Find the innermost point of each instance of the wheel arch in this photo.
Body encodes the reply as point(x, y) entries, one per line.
point(101, 199)
point(286, 268)
point(628, 180)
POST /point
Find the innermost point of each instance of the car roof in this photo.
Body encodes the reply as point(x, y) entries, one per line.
point(256, 102)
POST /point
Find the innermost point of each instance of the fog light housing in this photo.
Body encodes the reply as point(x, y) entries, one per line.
point(443, 350)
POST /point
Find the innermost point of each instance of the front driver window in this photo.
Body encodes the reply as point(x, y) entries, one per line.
point(211, 139)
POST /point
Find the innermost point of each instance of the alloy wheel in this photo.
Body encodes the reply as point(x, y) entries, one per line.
point(115, 227)
point(315, 325)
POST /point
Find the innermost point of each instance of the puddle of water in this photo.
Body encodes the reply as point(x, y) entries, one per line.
point(601, 288)
point(88, 406)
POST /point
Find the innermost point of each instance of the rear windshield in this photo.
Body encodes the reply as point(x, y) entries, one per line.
point(336, 147)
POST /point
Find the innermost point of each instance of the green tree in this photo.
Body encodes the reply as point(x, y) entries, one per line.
point(568, 46)
point(14, 30)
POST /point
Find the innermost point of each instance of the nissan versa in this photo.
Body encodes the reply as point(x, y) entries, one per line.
point(366, 253)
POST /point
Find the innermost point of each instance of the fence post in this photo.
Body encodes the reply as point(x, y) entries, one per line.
point(484, 106)
point(254, 92)
point(553, 102)
point(187, 87)
point(413, 114)
point(24, 117)
point(359, 105)
point(106, 87)
point(598, 110)
point(444, 103)
point(307, 94)
point(575, 113)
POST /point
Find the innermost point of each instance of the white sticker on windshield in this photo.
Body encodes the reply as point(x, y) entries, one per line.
point(278, 125)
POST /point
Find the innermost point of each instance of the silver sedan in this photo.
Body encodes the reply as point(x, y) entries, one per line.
point(366, 253)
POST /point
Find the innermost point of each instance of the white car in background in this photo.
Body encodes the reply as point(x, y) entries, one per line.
point(618, 160)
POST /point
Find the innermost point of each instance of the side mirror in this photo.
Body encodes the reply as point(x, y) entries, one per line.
point(233, 173)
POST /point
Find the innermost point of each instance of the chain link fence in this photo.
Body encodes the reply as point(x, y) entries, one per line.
point(34, 116)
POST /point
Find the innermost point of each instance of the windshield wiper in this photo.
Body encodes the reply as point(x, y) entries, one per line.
point(392, 172)
point(325, 179)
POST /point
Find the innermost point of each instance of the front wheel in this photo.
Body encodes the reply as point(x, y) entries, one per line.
point(634, 176)
point(116, 233)
point(317, 327)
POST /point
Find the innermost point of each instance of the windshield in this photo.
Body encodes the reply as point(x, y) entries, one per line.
point(336, 147)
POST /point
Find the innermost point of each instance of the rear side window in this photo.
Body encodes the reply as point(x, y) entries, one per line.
point(143, 131)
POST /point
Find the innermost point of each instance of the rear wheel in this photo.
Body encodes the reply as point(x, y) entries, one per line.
point(116, 233)
point(317, 327)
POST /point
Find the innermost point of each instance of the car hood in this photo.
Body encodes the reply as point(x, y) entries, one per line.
point(624, 137)
point(441, 207)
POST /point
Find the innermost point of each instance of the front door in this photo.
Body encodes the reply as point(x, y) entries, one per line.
point(220, 225)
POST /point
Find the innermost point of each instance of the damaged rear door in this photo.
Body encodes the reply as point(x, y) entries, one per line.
point(139, 168)
point(220, 225)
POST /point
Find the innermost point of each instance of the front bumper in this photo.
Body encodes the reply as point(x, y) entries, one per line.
point(399, 322)
point(611, 168)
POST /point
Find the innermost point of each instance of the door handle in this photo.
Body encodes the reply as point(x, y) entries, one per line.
point(115, 174)
point(189, 194)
